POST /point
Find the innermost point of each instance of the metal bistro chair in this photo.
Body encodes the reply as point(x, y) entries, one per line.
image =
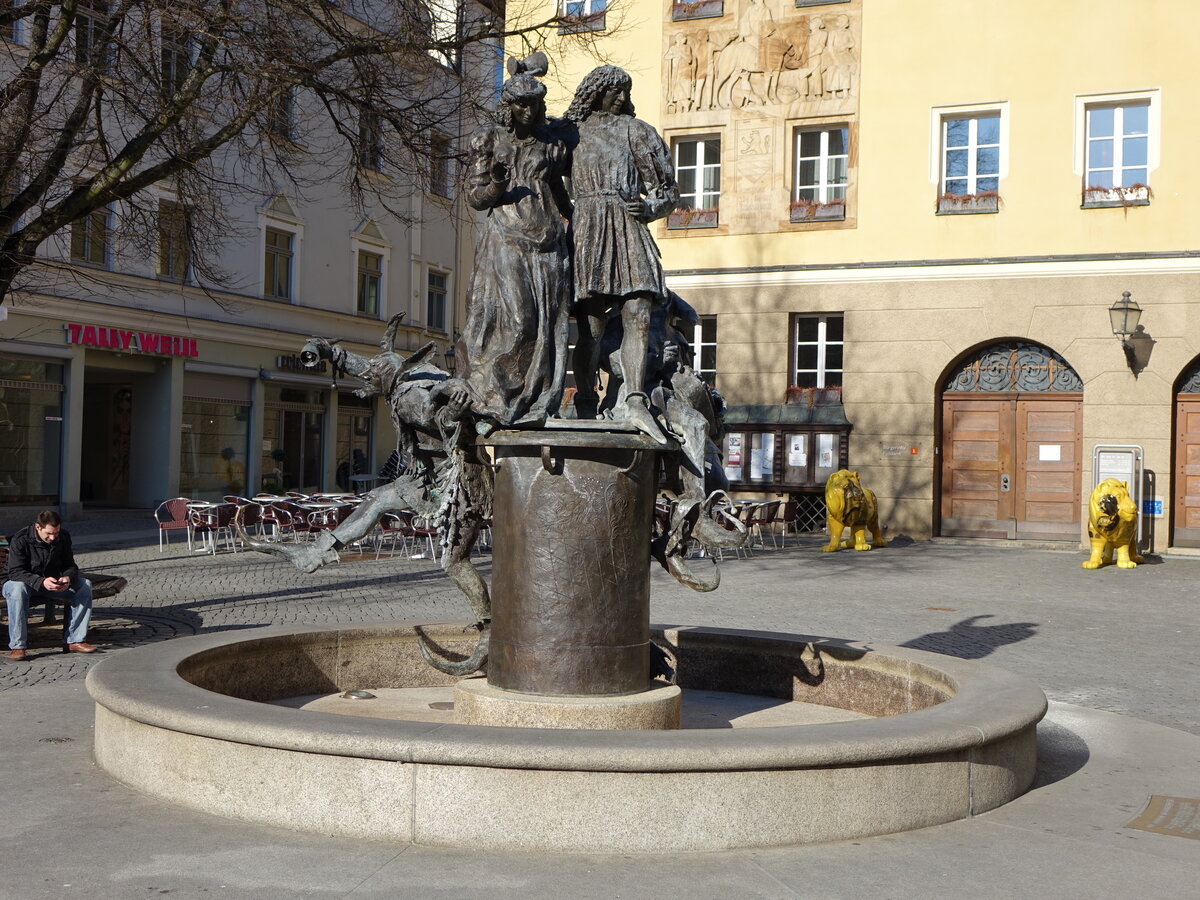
point(789, 518)
point(484, 544)
point(392, 528)
point(744, 513)
point(328, 519)
point(415, 530)
point(250, 514)
point(275, 524)
point(765, 517)
point(292, 518)
point(425, 533)
point(172, 515)
point(213, 523)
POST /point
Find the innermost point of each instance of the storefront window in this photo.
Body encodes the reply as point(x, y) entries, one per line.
point(31, 415)
point(293, 425)
point(353, 440)
point(212, 460)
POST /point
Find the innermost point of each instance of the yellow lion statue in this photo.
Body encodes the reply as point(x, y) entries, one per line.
point(1112, 525)
point(850, 505)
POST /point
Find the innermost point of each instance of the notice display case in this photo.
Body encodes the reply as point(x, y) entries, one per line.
point(785, 449)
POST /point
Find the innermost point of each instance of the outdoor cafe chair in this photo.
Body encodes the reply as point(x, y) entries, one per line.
point(414, 530)
point(392, 528)
point(250, 514)
point(292, 518)
point(768, 517)
point(789, 520)
point(424, 533)
point(213, 523)
point(763, 518)
point(329, 518)
point(172, 515)
point(744, 513)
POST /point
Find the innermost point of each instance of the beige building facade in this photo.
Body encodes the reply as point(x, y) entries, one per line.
point(126, 380)
point(924, 214)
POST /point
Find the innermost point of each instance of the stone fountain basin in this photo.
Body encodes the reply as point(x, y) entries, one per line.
point(189, 721)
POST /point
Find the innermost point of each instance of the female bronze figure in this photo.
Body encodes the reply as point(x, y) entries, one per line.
point(515, 339)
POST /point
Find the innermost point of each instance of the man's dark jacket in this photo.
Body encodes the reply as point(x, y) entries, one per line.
point(30, 559)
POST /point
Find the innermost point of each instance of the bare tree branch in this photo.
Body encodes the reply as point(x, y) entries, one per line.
point(109, 103)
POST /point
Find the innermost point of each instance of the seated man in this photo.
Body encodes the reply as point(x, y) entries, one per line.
point(42, 566)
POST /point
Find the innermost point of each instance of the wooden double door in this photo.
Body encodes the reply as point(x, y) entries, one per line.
point(1011, 466)
point(1186, 504)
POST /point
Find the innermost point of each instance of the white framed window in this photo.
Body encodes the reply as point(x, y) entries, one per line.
point(370, 282)
point(1118, 143)
point(969, 156)
point(444, 25)
point(177, 56)
point(91, 237)
point(91, 17)
point(441, 176)
point(279, 264)
point(704, 349)
point(1117, 146)
point(370, 141)
point(282, 236)
point(817, 342)
point(822, 168)
point(370, 258)
point(581, 15)
point(436, 294)
point(11, 29)
point(174, 243)
point(698, 171)
point(281, 114)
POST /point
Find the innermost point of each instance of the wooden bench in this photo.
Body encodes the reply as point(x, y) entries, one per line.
point(102, 585)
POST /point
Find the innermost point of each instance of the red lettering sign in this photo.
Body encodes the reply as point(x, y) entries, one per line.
point(120, 339)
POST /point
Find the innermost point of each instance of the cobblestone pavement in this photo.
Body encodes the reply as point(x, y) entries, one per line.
point(1112, 640)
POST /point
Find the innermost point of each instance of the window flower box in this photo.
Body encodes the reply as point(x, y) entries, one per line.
point(701, 9)
point(811, 396)
point(959, 204)
point(806, 211)
point(1126, 195)
point(568, 24)
point(688, 217)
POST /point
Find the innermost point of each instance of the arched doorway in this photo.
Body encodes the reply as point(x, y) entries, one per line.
point(1011, 445)
point(1185, 506)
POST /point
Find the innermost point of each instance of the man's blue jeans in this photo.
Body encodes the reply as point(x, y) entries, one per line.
point(19, 595)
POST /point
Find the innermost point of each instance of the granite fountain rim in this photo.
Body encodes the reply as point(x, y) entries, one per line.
point(145, 685)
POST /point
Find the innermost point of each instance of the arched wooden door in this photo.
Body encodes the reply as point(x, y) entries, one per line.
point(1011, 445)
point(1186, 475)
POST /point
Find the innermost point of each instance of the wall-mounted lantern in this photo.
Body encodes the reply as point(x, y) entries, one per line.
point(1124, 315)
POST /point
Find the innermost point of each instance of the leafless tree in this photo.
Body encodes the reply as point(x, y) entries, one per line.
point(103, 100)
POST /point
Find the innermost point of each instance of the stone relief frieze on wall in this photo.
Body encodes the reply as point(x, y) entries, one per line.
point(763, 53)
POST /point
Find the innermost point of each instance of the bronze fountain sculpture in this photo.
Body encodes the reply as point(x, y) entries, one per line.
point(575, 524)
point(583, 749)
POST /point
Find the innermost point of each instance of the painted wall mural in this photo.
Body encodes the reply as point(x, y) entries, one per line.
point(762, 53)
point(750, 77)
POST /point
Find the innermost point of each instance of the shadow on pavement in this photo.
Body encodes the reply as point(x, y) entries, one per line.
point(966, 640)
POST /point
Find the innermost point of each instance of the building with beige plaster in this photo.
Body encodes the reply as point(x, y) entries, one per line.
point(906, 224)
point(125, 379)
